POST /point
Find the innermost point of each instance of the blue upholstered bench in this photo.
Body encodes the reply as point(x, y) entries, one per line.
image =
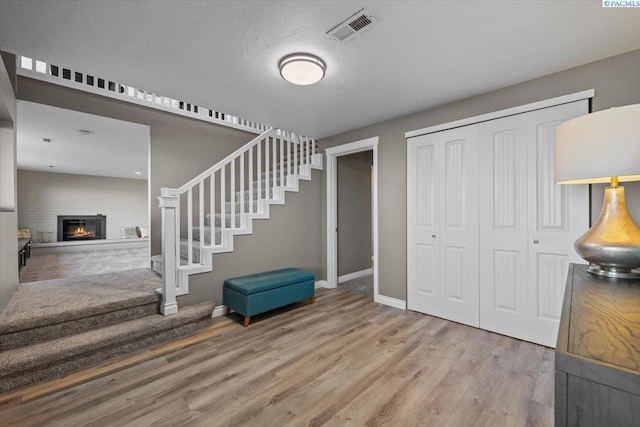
point(258, 293)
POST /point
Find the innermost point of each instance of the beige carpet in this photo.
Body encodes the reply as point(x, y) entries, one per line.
point(61, 299)
point(362, 285)
point(76, 264)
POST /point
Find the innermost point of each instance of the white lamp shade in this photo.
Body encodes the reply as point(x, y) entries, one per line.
point(593, 148)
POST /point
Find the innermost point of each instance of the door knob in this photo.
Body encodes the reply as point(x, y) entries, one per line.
point(535, 242)
point(433, 235)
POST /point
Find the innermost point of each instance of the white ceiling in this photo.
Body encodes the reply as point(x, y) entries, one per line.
point(223, 54)
point(116, 148)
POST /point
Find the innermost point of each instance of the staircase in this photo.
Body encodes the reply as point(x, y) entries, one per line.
point(54, 327)
point(222, 202)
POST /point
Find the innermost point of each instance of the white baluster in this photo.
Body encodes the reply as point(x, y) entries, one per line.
point(190, 226)
point(296, 153)
point(251, 180)
point(212, 208)
point(282, 183)
point(275, 164)
point(201, 219)
point(259, 171)
point(232, 191)
point(289, 164)
point(223, 200)
point(266, 167)
point(241, 185)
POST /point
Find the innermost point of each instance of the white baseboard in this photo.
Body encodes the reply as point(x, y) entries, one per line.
point(355, 275)
point(218, 311)
point(321, 284)
point(392, 302)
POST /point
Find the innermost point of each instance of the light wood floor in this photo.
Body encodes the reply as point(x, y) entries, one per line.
point(342, 361)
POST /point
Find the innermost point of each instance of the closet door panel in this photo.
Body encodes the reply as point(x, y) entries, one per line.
point(423, 201)
point(442, 226)
point(503, 226)
point(558, 215)
point(459, 226)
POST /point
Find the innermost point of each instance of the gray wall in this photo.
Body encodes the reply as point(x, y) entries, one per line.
point(42, 196)
point(181, 148)
point(616, 81)
point(354, 212)
point(8, 215)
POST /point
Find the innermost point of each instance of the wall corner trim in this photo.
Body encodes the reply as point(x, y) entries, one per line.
point(321, 284)
point(218, 311)
point(552, 102)
point(391, 302)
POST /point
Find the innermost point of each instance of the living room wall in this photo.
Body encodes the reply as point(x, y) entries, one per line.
point(616, 81)
point(8, 214)
point(181, 148)
point(42, 196)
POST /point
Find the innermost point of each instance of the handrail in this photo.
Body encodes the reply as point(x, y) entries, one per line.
point(165, 191)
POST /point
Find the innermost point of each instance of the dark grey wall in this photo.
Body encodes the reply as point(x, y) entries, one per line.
point(354, 212)
point(180, 149)
point(616, 81)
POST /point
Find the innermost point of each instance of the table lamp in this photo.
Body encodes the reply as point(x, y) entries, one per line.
point(599, 148)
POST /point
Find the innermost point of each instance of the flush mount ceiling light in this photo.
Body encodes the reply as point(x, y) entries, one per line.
point(302, 69)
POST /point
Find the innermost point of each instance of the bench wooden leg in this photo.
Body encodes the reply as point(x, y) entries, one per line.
point(247, 319)
point(227, 310)
point(312, 300)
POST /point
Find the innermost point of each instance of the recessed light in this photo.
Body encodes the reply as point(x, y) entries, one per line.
point(302, 69)
point(138, 173)
point(45, 139)
point(85, 132)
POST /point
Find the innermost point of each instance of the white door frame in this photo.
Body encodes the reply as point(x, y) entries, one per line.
point(332, 207)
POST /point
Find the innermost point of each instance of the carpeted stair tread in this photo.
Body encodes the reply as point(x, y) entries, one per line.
point(262, 194)
point(184, 250)
point(238, 207)
point(207, 234)
point(218, 220)
point(49, 332)
point(104, 355)
point(38, 304)
point(43, 354)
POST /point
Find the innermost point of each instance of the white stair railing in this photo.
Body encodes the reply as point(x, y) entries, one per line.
point(260, 172)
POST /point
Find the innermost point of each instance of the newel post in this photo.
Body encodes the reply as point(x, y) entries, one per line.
point(169, 205)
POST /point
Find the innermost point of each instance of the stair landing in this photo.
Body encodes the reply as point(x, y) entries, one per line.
point(59, 300)
point(52, 328)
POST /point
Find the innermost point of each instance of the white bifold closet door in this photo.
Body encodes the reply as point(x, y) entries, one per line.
point(489, 233)
point(443, 225)
point(528, 224)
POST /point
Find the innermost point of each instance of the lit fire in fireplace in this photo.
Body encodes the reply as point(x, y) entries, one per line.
point(82, 232)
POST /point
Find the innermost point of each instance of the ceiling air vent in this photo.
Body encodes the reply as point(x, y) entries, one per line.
point(348, 28)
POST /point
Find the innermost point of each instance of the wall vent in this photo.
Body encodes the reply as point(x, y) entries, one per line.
point(348, 28)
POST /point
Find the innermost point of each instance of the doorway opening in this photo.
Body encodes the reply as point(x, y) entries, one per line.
point(83, 193)
point(343, 252)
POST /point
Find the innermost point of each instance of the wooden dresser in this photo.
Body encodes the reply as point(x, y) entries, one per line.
point(597, 359)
